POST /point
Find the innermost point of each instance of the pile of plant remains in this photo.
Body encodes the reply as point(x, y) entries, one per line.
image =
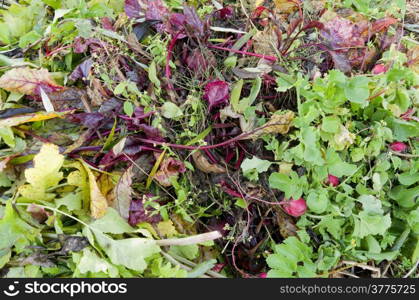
point(194, 138)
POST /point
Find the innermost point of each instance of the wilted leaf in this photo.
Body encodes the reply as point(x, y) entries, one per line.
point(279, 123)
point(98, 202)
point(28, 81)
point(169, 169)
point(413, 59)
point(202, 163)
point(123, 192)
point(72, 243)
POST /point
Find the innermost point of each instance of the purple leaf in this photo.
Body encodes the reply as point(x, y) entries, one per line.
point(81, 45)
point(340, 61)
point(82, 70)
point(193, 22)
point(216, 93)
point(132, 9)
point(90, 120)
point(156, 10)
point(225, 12)
point(138, 213)
point(199, 63)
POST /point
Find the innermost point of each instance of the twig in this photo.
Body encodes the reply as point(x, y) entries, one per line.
point(191, 240)
point(404, 155)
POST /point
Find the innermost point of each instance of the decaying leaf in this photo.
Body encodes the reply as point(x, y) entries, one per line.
point(413, 59)
point(202, 163)
point(343, 138)
point(265, 42)
point(123, 192)
point(28, 81)
point(98, 202)
point(279, 123)
point(169, 169)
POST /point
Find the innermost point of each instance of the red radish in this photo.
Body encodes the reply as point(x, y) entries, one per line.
point(294, 208)
point(263, 275)
point(379, 68)
point(332, 180)
point(398, 146)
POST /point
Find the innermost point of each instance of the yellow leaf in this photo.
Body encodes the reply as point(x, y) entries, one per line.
point(286, 6)
point(279, 123)
point(28, 81)
point(33, 117)
point(154, 169)
point(45, 173)
point(98, 203)
point(166, 228)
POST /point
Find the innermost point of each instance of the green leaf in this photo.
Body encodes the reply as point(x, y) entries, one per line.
point(152, 74)
point(202, 268)
point(14, 231)
point(6, 134)
point(73, 201)
point(112, 222)
point(253, 166)
point(331, 124)
point(332, 226)
point(90, 262)
point(284, 82)
point(404, 196)
point(235, 95)
point(131, 253)
point(171, 111)
point(291, 258)
point(128, 108)
point(357, 90)
point(366, 224)
point(188, 251)
point(291, 186)
point(318, 201)
point(408, 178)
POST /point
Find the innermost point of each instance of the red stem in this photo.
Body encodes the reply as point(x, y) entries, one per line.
point(170, 48)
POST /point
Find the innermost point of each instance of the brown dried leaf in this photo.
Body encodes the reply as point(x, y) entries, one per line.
point(265, 42)
point(169, 170)
point(202, 163)
point(413, 59)
point(123, 192)
point(28, 81)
